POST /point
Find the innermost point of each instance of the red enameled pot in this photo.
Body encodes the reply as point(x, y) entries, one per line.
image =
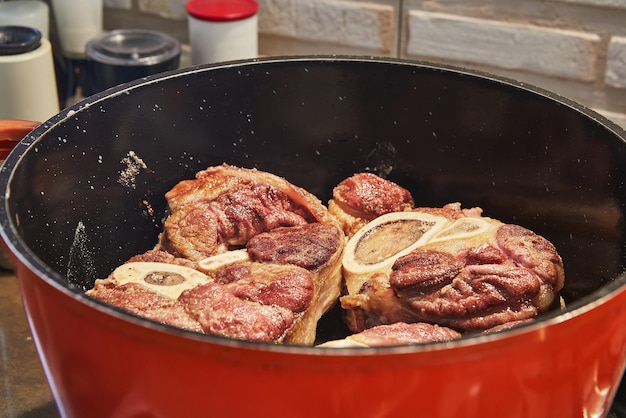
point(84, 191)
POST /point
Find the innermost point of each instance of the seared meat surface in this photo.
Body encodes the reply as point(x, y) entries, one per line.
point(157, 256)
point(315, 247)
point(139, 300)
point(365, 196)
point(269, 254)
point(245, 254)
point(398, 333)
point(309, 246)
point(225, 206)
point(453, 267)
point(251, 301)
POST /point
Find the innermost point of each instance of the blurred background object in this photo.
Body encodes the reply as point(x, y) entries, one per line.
point(222, 30)
point(77, 23)
point(576, 48)
point(30, 13)
point(124, 55)
point(27, 78)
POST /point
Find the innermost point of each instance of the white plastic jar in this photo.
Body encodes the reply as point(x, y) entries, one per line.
point(77, 23)
point(222, 30)
point(28, 87)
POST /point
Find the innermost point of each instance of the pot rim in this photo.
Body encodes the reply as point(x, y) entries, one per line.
point(23, 255)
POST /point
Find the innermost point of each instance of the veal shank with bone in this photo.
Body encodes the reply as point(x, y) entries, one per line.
point(447, 266)
point(254, 258)
point(245, 254)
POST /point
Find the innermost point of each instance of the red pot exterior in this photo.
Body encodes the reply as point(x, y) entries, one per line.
point(445, 134)
point(99, 365)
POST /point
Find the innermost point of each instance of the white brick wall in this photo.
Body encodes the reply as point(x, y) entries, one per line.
point(555, 52)
point(174, 9)
point(117, 4)
point(576, 48)
point(278, 17)
point(358, 24)
point(616, 62)
point(601, 3)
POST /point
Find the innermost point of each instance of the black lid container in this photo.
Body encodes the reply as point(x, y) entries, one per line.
point(124, 55)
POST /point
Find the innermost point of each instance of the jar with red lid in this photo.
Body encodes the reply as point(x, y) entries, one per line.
point(222, 30)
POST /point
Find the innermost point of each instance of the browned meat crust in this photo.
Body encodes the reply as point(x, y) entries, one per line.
point(141, 301)
point(285, 273)
point(469, 282)
point(225, 206)
point(398, 333)
point(222, 313)
point(158, 256)
point(310, 246)
point(453, 271)
point(251, 301)
point(365, 196)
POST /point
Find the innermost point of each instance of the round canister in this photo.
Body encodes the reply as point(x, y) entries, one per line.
point(222, 30)
point(29, 13)
point(124, 55)
point(27, 79)
point(77, 23)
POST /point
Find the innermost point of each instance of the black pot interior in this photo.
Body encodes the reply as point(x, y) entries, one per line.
point(88, 193)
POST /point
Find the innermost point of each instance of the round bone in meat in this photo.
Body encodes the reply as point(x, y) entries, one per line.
point(376, 246)
point(472, 274)
point(169, 280)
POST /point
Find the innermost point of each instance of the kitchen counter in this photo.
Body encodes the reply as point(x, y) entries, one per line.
point(24, 391)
